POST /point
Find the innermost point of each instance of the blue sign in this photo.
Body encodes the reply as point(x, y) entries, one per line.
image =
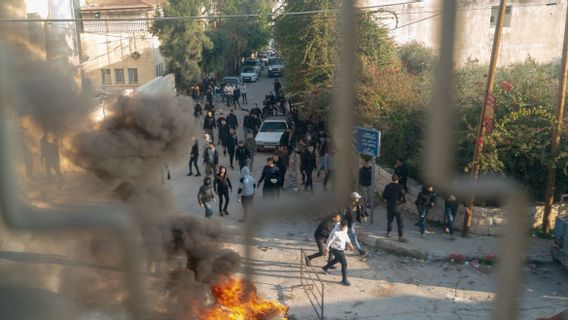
point(367, 141)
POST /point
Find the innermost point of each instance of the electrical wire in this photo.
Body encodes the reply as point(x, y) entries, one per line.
point(209, 17)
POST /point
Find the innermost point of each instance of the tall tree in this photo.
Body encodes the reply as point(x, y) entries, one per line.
point(183, 41)
point(235, 38)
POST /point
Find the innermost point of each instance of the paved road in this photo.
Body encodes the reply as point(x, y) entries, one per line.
point(382, 285)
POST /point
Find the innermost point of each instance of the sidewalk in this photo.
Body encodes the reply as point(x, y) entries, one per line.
point(436, 244)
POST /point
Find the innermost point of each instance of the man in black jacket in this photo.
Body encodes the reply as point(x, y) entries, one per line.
point(401, 171)
point(366, 182)
point(232, 120)
point(232, 141)
point(193, 156)
point(209, 125)
point(270, 176)
point(308, 166)
point(242, 155)
point(321, 234)
point(394, 196)
point(353, 213)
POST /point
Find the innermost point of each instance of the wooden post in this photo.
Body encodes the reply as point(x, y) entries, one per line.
point(555, 142)
point(487, 112)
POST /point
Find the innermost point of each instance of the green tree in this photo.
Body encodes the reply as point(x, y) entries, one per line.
point(235, 38)
point(183, 41)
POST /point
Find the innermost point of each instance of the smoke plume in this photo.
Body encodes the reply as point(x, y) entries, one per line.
point(119, 159)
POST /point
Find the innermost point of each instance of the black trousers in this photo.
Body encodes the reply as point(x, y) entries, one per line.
point(223, 194)
point(393, 213)
point(320, 242)
point(231, 156)
point(246, 201)
point(338, 256)
point(194, 162)
point(309, 180)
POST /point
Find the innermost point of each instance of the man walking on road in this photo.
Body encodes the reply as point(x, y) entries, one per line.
point(206, 198)
point(209, 125)
point(270, 176)
point(242, 155)
point(232, 142)
point(336, 243)
point(353, 213)
point(425, 201)
point(366, 182)
point(247, 187)
point(244, 94)
point(308, 166)
point(193, 156)
point(324, 229)
point(394, 196)
point(250, 144)
point(232, 120)
point(222, 185)
point(211, 159)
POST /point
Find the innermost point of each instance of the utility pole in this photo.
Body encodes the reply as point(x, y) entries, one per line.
point(555, 142)
point(487, 112)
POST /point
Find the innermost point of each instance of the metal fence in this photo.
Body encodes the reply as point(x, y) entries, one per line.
point(437, 165)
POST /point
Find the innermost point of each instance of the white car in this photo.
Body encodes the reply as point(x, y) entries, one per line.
point(249, 74)
point(268, 136)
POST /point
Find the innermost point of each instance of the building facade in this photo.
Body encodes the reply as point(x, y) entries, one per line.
point(532, 28)
point(117, 55)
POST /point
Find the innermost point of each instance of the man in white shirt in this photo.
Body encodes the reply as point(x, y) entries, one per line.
point(336, 243)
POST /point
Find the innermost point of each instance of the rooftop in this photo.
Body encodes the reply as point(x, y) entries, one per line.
point(93, 5)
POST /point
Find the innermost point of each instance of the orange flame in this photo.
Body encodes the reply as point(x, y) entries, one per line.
point(237, 300)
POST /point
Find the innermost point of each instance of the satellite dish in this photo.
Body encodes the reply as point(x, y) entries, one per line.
point(135, 54)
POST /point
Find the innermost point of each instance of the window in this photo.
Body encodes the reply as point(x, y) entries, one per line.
point(132, 75)
point(160, 69)
point(119, 76)
point(105, 76)
point(495, 13)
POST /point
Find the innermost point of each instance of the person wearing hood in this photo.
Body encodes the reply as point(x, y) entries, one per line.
point(247, 186)
point(206, 197)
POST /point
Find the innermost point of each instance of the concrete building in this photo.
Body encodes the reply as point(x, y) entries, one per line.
point(533, 28)
point(117, 55)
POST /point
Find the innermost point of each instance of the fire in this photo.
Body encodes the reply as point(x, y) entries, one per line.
point(237, 300)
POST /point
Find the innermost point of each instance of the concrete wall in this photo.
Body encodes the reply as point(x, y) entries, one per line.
point(486, 220)
point(536, 28)
point(120, 45)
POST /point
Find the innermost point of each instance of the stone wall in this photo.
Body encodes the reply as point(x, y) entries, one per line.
point(486, 220)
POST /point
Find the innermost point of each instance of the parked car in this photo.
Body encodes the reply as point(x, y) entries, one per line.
point(263, 58)
point(254, 63)
point(271, 129)
point(249, 74)
point(275, 67)
point(234, 80)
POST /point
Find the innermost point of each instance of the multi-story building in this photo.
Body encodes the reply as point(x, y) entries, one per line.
point(532, 28)
point(117, 55)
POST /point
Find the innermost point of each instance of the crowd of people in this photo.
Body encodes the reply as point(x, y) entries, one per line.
point(308, 147)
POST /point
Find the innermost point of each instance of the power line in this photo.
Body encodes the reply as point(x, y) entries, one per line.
point(229, 16)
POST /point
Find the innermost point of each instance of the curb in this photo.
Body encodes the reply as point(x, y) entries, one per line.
point(434, 256)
